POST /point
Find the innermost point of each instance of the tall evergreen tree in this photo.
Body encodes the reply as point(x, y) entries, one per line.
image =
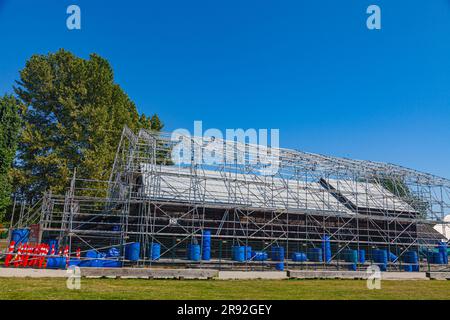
point(74, 116)
point(10, 123)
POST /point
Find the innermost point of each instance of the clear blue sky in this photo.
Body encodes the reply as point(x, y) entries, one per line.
point(310, 68)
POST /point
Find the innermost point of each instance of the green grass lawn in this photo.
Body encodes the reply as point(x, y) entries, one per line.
point(215, 289)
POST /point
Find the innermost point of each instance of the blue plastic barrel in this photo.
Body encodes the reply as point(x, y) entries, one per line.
point(279, 266)
point(206, 242)
point(51, 263)
point(111, 263)
point(429, 255)
point(132, 251)
point(97, 263)
point(113, 253)
point(326, 248)
point(380, 256)
point(93, 260)
point(436, 258)
point(278, 253)
point(239, 253)
point(194, 251)
point(408, 268)
point(392, 257)
point(410, 257)
point(352, 267)
point(56, 263)
point(315, 254)
point(299, 257)
point(206, 253)
point(259, 256)
point(248, 252)
point(350, 255)
point(362, 256)
point(155, 251)
point(20, 236)
point(442, 248)
point(92, 254)
point(74, 262)
point(85, 263)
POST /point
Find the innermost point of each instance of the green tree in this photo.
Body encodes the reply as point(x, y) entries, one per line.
point(10, 123)
point(74, 116)
point(398, 187)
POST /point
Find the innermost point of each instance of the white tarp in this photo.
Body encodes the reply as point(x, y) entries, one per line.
point(369, 195)
point(174, 183)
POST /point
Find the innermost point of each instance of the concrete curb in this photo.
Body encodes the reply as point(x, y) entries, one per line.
point(204, 274)
point(354, 275)
point(404, 276)
point(323, 274)
point(146, 273)
point(438, 275)
point(32, 273)
point(252, 275)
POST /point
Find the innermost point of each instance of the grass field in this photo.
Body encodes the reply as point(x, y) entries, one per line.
point(241, 290)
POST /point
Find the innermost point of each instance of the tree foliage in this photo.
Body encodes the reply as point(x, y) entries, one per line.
point(10, 123)
point(399, 188)
point(74, 116)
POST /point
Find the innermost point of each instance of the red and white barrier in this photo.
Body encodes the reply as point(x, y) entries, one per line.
point(9, 256)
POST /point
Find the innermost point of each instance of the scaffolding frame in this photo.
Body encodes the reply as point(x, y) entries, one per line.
point(103, 214)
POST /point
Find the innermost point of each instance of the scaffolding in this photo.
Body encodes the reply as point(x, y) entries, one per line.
point(359, 205)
